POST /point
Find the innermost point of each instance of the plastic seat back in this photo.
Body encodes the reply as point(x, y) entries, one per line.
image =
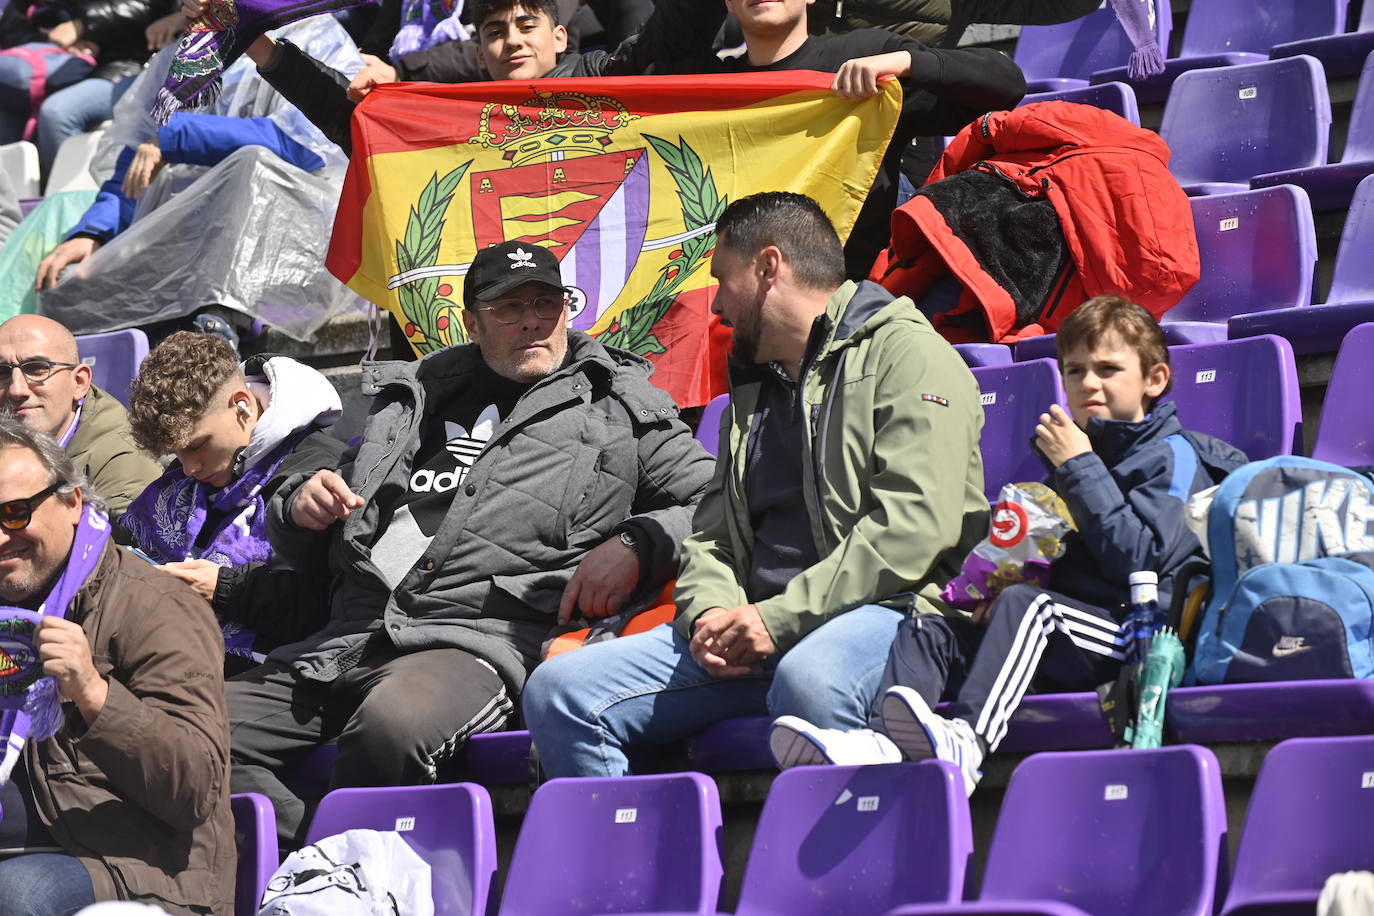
point(708, 429)
point(629, 844)
point(1122, 831)
point(1223, 123)
point(1076, 49)
point(71, 167)
point(1014, 397)
point(114, 358)
point(1346, 433)
point(853, 841)
point(1118, 98)
point(449, 826)
point(1308, 818)
point(19, 162)
point(1243, 391)
point(1352, 280)
point(1216, 26)
point(255, 833)
point(1258, 250)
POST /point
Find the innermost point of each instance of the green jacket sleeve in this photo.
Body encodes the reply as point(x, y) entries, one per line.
point(921, 450)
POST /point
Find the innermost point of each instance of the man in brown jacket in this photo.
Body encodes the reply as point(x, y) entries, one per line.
point(44, 383)
point(129, 799)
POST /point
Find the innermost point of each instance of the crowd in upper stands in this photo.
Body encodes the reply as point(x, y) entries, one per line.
point(225, 586)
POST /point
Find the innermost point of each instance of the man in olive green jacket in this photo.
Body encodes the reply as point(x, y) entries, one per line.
point(840, 503)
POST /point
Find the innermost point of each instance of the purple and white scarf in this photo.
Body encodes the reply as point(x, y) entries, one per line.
point(1138, 20)
point(169, 516)
point(30, 707)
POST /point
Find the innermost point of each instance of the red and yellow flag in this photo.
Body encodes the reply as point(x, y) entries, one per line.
point(623, 178)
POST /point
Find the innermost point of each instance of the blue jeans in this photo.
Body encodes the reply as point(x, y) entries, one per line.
point(16, 73)
point(44, 884)
point(75, 110)
point(584, 708)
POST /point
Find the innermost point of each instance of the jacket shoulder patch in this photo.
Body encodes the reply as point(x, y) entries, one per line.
point(935, 399)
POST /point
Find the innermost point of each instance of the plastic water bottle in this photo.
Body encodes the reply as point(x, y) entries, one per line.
point(1144, 619)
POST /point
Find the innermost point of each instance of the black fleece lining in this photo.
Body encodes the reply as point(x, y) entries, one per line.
point(1015, 239)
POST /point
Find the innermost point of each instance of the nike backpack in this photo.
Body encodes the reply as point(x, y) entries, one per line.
point(1292, 549)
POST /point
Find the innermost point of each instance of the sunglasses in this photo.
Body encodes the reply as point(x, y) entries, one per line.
point(35, 370)
point(16, 514)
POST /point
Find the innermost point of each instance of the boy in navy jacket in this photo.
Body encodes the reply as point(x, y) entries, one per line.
point(1126, 469)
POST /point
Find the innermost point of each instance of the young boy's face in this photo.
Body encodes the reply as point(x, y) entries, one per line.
point(762, 17)
point(1108, 381)
point(519, 44)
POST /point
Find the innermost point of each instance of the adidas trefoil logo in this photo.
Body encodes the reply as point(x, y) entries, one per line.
point(1290, 645)
point(522, 258)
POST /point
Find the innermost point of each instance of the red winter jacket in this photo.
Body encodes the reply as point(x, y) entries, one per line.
point(1127, 226)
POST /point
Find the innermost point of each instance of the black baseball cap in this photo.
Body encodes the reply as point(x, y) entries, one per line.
point(501, 268)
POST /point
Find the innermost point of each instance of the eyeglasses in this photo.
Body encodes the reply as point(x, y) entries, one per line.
point(509, 311)
point(35, 370)
point(16, 514)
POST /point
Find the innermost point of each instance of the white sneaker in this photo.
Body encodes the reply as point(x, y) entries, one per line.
point(919, 733)
point(796, 742)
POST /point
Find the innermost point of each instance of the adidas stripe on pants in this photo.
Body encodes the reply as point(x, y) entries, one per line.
point(1032, 633)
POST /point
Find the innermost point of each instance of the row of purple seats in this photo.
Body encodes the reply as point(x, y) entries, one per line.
point(114, 358)
point(1222, 33)
point(1341, 54)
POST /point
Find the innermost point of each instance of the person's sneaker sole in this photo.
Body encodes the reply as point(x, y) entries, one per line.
point(902, 722)
point(793, 748)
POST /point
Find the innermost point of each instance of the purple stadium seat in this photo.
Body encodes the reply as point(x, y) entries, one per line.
point(708, 428)
point(853, 841)
point(1014, 396)
point(1064, 56)
point(1114, 97)
point(629, 844)
point(114, 358)
point(1320, 328)
point(255, 835)
point(1346, 433)
point(1341, 55)
point(1242, 391)
point(1258, 250)
point(1330, 185)
point(1223, 33)
point(1308, 818)
point(984, 354)
point(499, 758)
point(28, 204)
point(1271, 712)
point(1220, 123)
point(1123, 832)
point(450, 826)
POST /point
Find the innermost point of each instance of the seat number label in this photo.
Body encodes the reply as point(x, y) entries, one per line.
point(1205, 375)
point(989, 398)
point(1249, 92)
point(868, 803)
point(1367, 780)
point(405, 823)
point(1231, 222)
point(1116, 792)
point(626, 815)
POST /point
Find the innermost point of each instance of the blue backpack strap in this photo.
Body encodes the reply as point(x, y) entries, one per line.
point(1185, 467)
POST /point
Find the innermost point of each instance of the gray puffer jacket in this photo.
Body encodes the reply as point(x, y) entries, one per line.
point(588, 450)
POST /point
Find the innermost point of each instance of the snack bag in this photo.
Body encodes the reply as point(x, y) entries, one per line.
point(1025, 536)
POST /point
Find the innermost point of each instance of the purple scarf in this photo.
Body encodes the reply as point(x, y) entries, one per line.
point(1138, 20)
point(218, 38)
point(169, 517)
point(426, 23)
point(29, 703)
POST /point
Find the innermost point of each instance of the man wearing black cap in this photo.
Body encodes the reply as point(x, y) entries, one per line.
point(500, 487)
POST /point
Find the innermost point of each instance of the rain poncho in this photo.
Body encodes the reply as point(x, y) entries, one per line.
point(247, 230)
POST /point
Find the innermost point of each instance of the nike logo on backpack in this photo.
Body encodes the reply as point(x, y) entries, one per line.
point(1290, 645)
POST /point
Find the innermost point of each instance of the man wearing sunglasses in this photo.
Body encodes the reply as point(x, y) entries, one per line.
point(113, 735)
point(501, 488)
point(47, 388)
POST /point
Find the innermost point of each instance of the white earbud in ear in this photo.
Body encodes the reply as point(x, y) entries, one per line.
point(243, 409)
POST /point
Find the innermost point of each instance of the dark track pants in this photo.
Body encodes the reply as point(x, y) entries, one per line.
point(1031, 633)
point(397, 717)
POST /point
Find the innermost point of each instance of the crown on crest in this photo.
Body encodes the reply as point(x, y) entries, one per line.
point(552, 125)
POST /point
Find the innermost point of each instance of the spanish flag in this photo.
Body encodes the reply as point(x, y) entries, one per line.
point(623, 178)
